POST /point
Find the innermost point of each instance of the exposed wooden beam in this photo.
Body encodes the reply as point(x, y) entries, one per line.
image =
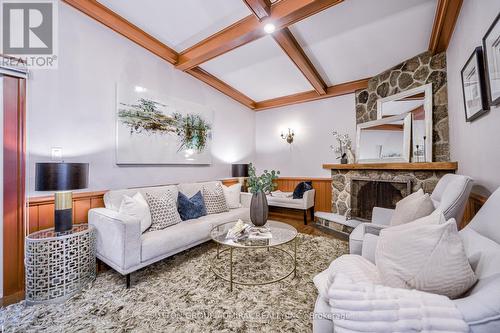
point(308, 96)
point(114, 21)
point(289, 44)
point(260, 8)
point(283, 14)
point(221, 86)
point(447, 12)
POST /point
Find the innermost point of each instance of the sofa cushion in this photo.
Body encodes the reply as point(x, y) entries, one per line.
point(191, 208)
point(190, 189)
point(285, 202)
point(427, 255)
point(215, 201)
point(298, 192)
point(174, 238)
point(232, 194)
point(136, 207)
point(113, 198)
point(163, 210)
point(412, 207)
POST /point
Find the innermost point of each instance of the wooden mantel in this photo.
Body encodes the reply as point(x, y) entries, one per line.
point(443, 166)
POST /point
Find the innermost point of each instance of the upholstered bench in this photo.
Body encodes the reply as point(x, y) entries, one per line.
point(305, 204)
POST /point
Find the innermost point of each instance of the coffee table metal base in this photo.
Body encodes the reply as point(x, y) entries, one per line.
point(231, 278)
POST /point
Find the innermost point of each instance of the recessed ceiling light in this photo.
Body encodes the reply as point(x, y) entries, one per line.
point(269, 28)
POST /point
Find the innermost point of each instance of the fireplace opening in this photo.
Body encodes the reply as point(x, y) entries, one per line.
point(368, 193)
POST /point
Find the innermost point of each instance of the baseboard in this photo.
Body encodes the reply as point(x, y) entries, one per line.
point(11, 299)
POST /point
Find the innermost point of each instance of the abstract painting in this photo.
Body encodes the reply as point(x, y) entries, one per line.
point(156, 129)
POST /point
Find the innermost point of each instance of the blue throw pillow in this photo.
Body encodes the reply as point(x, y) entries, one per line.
point(301, 188)
point(191, 208)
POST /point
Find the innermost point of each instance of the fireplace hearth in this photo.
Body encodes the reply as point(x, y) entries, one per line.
point(368, 193)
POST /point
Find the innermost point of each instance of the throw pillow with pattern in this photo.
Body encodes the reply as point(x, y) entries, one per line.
point(163, 209)
point(215, 201)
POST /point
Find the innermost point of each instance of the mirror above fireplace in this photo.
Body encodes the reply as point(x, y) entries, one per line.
point(418, 102)
point(385, 140)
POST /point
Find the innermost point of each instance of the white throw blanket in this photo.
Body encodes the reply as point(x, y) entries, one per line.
point(361, 304)
point(281, 194)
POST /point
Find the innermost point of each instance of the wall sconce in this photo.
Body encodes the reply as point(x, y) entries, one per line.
point(288, 137)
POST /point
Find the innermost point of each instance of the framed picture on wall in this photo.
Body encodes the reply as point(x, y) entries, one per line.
point(491, 47)
point(473, 86)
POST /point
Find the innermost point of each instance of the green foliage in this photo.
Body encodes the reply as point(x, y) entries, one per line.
point(263, 183)
point(193, 131)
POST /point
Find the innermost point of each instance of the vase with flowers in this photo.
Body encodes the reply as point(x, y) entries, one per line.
point(343, 147)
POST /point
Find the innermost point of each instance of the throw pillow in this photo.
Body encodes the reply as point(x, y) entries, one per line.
point(232, 194)
point(412, 207)
point(427, 255)
point(163, 210)
point(301, 188)
point(191, 208)
point(215, 201)
point(136, 207)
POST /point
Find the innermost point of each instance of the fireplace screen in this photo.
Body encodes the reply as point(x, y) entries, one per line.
point(367, 193)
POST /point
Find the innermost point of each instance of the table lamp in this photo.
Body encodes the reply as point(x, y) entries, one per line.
point(62, 178)
point(240, 171)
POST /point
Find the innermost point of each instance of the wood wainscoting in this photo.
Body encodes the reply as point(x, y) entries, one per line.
point(474, 204)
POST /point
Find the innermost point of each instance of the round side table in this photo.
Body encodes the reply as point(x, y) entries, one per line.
point(58, 265)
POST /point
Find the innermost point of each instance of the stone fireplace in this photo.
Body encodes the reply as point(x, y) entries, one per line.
point(367, 193)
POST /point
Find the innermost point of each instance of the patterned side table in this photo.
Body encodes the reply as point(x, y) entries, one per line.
point(58, 265)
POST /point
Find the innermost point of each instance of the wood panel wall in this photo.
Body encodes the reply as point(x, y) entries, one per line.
point(474, 204)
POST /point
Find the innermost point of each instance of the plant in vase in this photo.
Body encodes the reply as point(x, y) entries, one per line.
point(343, 148)
point(259, 186)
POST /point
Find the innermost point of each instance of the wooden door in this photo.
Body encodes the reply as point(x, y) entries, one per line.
point(14, 96)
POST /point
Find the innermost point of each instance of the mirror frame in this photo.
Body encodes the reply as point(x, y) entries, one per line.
point(407, 118)
point(427, 90)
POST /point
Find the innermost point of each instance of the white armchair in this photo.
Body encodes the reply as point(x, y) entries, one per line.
point(450, 195)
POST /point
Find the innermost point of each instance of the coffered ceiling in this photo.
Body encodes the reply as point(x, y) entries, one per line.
point(320, 48)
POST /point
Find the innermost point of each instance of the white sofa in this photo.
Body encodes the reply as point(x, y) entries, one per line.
point(122, 246)
point(305, 204)
point(480, 306)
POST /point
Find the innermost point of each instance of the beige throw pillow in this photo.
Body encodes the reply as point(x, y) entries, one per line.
point(232, 194)
point(136, 207)
point(412, 207)
point(426, 255)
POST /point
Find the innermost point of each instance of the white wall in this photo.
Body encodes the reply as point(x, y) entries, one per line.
point(313, 124)
point(73, 107)
point(474, 145)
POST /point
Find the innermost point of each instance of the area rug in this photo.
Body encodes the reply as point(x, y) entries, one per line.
point(182, 294)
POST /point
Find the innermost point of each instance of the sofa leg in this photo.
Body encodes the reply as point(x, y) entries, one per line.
point(305, 216)
point(127, 279)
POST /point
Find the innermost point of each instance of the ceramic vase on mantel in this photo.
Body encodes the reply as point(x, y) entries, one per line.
point(259, 210)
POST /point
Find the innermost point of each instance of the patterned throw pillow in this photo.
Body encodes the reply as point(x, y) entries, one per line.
point(215, 201)
point(163, 210)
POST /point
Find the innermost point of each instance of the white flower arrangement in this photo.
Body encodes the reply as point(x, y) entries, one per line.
point(343, 145)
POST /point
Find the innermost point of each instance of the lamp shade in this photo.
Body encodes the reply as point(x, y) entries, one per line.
point(61, 176)
point(239, 170)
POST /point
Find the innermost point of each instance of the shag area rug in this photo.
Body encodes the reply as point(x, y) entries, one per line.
point(181, 294)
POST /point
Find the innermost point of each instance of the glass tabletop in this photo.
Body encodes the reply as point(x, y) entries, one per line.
point(50, 233)
point(280, 233)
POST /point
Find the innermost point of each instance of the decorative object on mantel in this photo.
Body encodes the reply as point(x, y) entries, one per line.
point(343, 147)
point(62, 178)
point(259, 186)
point(474, 86)
point(418, 102)
point(156, 129)
point(240, 171)
point(386, 140)
point(491, 49)
point(288, 137)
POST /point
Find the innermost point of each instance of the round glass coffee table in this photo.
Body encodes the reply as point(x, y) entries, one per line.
point(282, 234)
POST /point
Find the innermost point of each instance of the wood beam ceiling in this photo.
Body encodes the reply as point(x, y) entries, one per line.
point(221, 86)
point(447, 12)
point(283, 14)
point(291, 47)
point(117, 23)
point(308, 96)
point(260, 8)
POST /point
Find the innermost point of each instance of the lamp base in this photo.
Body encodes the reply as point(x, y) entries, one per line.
point(63, 214)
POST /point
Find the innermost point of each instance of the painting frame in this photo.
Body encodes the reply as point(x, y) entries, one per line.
point(472, 75)
point(491, 52)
